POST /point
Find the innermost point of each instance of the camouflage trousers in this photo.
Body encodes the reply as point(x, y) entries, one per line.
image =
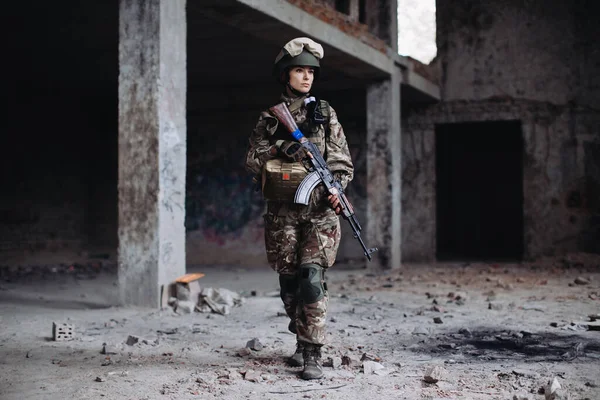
point(297, 235)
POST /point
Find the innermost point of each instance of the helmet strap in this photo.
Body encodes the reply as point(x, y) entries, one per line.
point(294, 91)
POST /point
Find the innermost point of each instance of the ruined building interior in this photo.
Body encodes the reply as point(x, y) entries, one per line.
point(477, 177)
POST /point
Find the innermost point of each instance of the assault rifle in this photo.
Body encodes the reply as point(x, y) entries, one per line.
point(319, 172)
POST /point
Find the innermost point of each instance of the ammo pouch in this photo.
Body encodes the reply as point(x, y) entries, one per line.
point(280, 179)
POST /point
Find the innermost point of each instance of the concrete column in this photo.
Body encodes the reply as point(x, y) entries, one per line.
point(384, 166)
point(152, 147)
point(382, 20)
point(354, 10)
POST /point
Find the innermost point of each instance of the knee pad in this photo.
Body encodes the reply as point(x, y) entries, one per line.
point(288, 285)
point(312, 285)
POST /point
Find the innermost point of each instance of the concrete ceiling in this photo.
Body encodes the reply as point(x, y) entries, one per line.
point(231, 47)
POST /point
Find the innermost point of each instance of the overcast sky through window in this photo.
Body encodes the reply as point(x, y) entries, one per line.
point(416, 29)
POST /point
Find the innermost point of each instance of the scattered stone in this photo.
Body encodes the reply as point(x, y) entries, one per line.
point(244, 352)
point(370, 357)
point(465, 331)
point(351, 360)
point(594, 317)
point(420, 330)
point(183, 292)
point(185, 307)
point(447, 345)
point(333, 319)
point(370, 367)
point(100, 379)
point(336, 362)
point(252, 376)
point(554, 324)
point(62, 332)
point(434, 374)
point(495, 307)
point(384, 371)
point(438, 320)
point(581, 281)
point(171, 331)
point(521, 397)
point(131, 340)
point(593, 326)
point(151, 342)
point(254, 344)
point(591, 384)
point(553, 390)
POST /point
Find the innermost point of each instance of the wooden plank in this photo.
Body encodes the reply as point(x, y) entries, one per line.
point(187, 278)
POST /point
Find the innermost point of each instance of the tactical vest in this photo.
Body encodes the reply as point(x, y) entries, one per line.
point(280, 178)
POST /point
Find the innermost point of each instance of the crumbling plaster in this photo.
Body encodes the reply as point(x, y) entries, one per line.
point(530, 61)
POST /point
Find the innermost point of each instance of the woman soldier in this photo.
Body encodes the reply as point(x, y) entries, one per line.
point(302, 240)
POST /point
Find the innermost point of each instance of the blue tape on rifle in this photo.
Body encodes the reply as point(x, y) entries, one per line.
point(297, 134)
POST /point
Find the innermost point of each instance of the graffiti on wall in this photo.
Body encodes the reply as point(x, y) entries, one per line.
point(220, 200)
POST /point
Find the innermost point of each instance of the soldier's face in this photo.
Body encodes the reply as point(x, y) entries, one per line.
point(301, 78)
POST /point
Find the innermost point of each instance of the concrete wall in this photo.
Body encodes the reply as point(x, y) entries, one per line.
point(532, 61)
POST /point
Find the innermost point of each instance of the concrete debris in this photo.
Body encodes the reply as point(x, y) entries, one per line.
point(183, 292)
point(420, 330)
point(521, 397)
point(336, 362)
point(384, 371)
point(244, 352)
point(254, 344)
point(351, 360)
point(593, 326)
point(184, 307)
point(434, 374)
point(132, 340)
point(219, 301)
point(465, 331)
point(252, 376)
point(370, 367)
point(369, 357)
point(62, 332)
point(553, 391)
point(581, 281)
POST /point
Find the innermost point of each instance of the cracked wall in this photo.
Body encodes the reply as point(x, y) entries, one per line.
point(526, 61)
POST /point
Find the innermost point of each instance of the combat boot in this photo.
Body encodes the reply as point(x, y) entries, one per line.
point(312, 362)
point(297, 360)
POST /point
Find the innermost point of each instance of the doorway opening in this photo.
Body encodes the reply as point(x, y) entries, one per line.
point(479, 189)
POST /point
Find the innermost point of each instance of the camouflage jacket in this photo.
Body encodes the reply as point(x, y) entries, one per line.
point(334, 148)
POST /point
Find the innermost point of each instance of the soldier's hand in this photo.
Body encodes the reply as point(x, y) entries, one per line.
point(334, 203)
point(293, 150)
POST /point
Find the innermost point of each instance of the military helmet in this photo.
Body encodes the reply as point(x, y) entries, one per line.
point(301, 51)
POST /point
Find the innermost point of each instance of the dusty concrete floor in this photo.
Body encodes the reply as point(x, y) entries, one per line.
point(506, 330)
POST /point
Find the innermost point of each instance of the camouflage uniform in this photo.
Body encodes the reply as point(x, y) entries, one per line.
point(296, 234)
